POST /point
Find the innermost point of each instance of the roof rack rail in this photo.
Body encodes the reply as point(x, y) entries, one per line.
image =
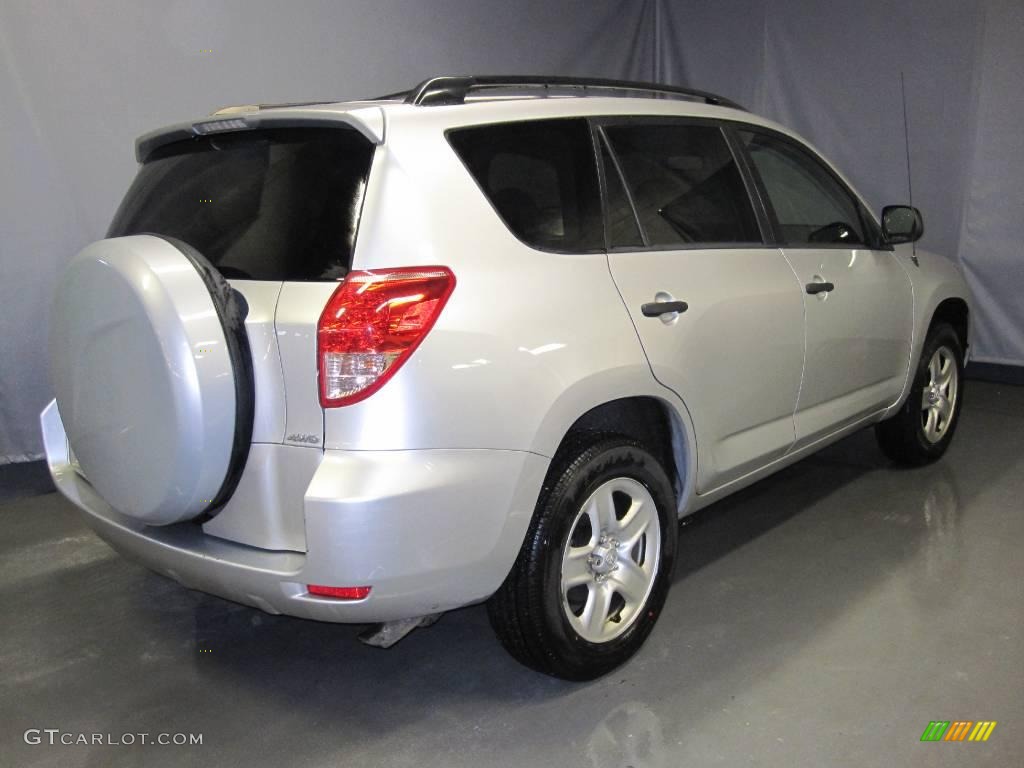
point(452, 89)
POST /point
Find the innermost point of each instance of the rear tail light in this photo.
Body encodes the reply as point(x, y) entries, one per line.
point(340, 593)
point(371, 325)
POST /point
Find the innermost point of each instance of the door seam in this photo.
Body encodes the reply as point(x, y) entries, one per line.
point(803, 366)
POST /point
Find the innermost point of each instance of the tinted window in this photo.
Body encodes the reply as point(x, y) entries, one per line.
point(622, 227)
point(541, 177)
point(810, 204)
point(263, 205)
point(685, 184)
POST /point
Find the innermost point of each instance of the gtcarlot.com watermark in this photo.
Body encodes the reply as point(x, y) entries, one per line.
point(55, 736)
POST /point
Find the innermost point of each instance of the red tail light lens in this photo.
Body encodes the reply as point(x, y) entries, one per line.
point(372, 324)
point(341, 593)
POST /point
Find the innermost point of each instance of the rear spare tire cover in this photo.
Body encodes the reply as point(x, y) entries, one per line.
point(153, 376)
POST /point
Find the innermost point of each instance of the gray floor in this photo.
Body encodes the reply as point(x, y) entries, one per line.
point(823, 617)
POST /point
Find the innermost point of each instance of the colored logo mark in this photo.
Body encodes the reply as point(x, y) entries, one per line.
point(958, 730)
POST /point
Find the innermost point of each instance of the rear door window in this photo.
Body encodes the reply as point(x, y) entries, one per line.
point(276, 204)
point(541, 178)
point(684, 183)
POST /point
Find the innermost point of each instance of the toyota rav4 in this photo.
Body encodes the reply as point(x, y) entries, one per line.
point(484, 340)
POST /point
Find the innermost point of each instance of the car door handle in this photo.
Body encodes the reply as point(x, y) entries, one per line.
point(813, 288)
point(655, 308)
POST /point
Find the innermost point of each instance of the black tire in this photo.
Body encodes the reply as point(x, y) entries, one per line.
point(527, 612)
point(902, 437)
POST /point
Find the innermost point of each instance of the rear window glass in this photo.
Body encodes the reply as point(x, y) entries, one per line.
point(541, 177)
point(279, 204)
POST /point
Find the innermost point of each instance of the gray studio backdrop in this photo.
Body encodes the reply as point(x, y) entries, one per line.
point(79, 80)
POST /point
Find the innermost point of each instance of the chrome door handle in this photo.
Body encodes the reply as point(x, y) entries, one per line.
point(656, 308)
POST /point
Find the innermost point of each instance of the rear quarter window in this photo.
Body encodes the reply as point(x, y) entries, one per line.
point(278, 204)
point(541, 178)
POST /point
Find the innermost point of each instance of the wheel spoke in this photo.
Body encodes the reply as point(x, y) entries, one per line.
point(595, 613)
point(945, 408)
point(946, 372)
point(926, 402)
point(630, 581)
point(933, 369)
point(574, 568)
point(595, 521)
point(931, 423)
point(601, 511)
point(634, 525)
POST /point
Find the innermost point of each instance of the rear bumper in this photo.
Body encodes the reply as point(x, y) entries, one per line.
point(428, 530)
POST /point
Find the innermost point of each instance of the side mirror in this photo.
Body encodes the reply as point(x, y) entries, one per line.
point(901, 224)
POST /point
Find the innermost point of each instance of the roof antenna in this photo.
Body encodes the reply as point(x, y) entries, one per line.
point(906, 144)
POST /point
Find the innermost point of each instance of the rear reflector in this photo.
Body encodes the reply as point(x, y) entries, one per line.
point(371, 325)
point(341, 593)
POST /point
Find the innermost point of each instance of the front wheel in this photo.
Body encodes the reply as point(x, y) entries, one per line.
point(920, 432)
point(596, 565)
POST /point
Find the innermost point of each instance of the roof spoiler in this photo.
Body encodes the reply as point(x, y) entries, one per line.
point(368, 120)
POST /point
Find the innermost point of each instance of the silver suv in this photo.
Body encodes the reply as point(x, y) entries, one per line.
point(484, 340)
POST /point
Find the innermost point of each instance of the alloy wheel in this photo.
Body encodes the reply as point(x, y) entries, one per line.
point(610, 560)
point(938, 401)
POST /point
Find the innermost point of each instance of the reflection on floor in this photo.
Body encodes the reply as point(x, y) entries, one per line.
point(822, 617)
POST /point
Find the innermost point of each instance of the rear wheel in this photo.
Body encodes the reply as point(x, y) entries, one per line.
point(595, 568)
point(921, 431)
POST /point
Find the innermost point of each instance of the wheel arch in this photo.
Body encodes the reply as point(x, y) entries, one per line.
point(940, 295)
point(653, 421)
point(956, 312)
